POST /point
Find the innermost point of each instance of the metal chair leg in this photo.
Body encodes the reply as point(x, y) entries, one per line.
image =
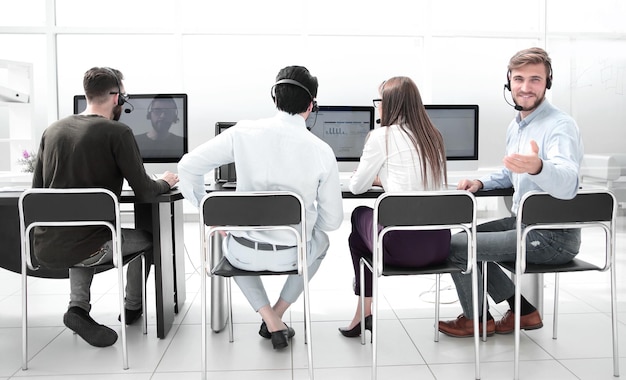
point(484, 271)
point(614, 322)
point(120, 281)
point(230, 312)
point(374, 324)
point(307, 322)
point(555, 317)
point(24, 318)
point(518, 303)
point(203, 329)
point(437, 303)
point(362, 299)
point(144, 303)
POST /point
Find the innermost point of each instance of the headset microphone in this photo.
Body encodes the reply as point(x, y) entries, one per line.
point(377, 121)
point(132, 108)
point(516, 106)
point(507, 85)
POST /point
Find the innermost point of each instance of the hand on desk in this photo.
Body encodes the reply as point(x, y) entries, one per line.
point(471, 185)
point(170, 178)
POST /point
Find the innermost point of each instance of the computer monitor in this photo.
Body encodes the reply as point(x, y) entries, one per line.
point(225, 173)
point(151, 114)
point(458, 124)
point(344, 128)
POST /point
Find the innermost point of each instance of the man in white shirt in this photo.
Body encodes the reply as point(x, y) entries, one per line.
point(273, 154)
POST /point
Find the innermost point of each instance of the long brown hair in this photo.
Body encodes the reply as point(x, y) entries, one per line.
point(402, 105)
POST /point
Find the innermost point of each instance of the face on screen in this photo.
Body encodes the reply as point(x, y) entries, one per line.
point(158, 122)
point(162, 114)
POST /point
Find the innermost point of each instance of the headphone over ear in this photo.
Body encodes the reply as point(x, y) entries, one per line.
point(120, 98)
point(548, 79)
point(295, 83)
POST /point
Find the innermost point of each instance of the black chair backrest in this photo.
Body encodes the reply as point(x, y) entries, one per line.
point(70, 206)
point(584, 207)
point(424, 210)
point(257, 210)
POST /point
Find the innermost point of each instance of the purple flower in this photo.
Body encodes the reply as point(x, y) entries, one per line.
point(26, 154)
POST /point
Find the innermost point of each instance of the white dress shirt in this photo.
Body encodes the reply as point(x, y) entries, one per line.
point(273, 154)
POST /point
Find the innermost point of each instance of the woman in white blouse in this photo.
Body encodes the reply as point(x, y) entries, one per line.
point(405, 154)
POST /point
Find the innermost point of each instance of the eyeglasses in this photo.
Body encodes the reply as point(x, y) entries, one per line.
point(165, 111)
point(377, 102)
point(124, 96)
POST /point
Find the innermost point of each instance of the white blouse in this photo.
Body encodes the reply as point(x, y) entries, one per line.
point(394, 160)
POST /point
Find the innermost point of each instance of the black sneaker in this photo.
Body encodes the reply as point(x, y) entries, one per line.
point(265, 333)
point(79, 321)
point(132, 316)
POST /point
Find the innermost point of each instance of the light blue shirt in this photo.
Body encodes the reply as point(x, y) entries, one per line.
point(273, 154)
point(560, 149)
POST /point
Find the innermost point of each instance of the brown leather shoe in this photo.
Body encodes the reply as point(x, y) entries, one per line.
point(463, 327)
point(530, 321)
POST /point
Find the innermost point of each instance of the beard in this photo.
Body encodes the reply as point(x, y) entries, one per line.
point(532, 106)
point(162, 126)
point(117, 113)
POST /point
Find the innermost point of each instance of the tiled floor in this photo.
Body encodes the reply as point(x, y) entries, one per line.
point(406, 346)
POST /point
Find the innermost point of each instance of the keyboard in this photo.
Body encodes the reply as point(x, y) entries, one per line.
point(126, 186)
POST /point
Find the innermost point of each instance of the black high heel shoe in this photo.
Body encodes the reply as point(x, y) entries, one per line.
point(356, 330)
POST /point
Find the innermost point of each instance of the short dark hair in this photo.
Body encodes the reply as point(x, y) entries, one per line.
point(291, 98)
point(163, 97)
point(99, 81)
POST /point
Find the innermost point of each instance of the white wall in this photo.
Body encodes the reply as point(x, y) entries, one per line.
point(226, 54)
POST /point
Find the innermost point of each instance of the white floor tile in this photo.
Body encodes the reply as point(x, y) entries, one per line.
point(405, 330)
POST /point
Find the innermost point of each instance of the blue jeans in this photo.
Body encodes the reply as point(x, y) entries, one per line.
point(497, 241)
point(80, 277)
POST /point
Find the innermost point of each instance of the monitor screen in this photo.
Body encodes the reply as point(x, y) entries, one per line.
point(458, 125)
point(344, 128)
point(158, 121)
point(225, 173)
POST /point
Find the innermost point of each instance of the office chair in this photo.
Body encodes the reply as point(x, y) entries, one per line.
point(424, 210)
point(74, 208)
point(539, 210)
point(251, 211)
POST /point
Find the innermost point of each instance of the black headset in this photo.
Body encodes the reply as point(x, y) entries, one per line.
point(295, 83)
point(548, 79)
point(120, 99)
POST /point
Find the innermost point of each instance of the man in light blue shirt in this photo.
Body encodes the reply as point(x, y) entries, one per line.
point(543, 152)
point(273, 154)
